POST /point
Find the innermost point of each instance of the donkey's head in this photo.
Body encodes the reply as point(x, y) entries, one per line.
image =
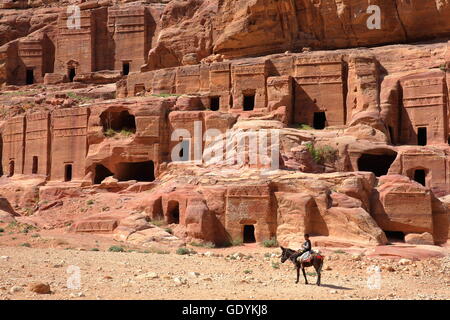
point(286, 254)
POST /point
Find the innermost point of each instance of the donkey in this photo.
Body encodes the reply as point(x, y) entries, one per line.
point(316, 261)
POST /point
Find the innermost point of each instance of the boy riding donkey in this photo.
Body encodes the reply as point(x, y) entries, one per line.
point(304, 258)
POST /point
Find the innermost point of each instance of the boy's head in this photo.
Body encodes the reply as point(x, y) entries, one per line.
point(306, 236)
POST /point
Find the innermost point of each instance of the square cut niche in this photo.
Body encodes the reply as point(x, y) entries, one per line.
point(68, 172)
point(125, 68)
point(422, 136)
point(71, 73)
point(34, 169)
point(29, 76)
point(420, 176)
point(249, 102)
point(214, 103)
point(320, 120)
point(249, 234)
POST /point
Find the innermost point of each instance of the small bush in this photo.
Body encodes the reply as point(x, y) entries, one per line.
point(168, 230)
point(35, 235)
point(158, 223)
point(78, 97)
point(208, 245)
point(165, 95)
point(90, 202)
point(275, 265)
point(237, 242)
point(340, 251)
point(303, 126)
point(26, 244)
point(12, 224)
point(125, 132)
point(323, 154)
point(110, 133)
point(2, 230)
point(248, 271)
point(116, 249)
point(95, 249)
point(183, 251)
point(270, 243)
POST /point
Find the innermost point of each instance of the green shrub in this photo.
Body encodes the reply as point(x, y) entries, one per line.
point(95, 249)
point(275, 265)
point(209, 245)
point(168, 230)
point(237, 242)
point(26, 244)
point(90, 202)
point(78, 97)
point(270, 243)
point(165, 95)
point(12, 224)
point(183, 251)
point(323, 154)
point(303, 126)
point(158, 222)
point(116, 249)
point(110, 133)
point(126, 132)
point(340, 251)
point(248, 271)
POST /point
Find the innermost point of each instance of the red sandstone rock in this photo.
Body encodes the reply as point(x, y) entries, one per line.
point(375, 106)
point(40, 288)
point(424, 238)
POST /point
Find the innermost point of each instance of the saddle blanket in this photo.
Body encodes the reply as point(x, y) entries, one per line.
point(308, 255)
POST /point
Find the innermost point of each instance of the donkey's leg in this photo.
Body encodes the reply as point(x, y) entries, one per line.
point(304, 275)
point(298, 274)
point(319, 272)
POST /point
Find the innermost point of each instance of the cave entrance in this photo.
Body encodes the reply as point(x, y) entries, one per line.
point(125, 68)
point(71, 72)
point(378, 164)
point(320, 120)
point(68, 172)
point(249, 102)
point(118, 121)
point(29, 76)
point(420, 176)
point(249, 234)
point(173, 212)
point(422, 136)
point(34, 169)
point(101, 173)
point(395, 236)
point(214, 103)
point(11, 168)
point(140, 171)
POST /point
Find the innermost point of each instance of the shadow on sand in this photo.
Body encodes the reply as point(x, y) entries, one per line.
point(332, 286)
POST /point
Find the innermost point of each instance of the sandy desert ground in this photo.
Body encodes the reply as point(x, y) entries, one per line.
point(241, 272)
